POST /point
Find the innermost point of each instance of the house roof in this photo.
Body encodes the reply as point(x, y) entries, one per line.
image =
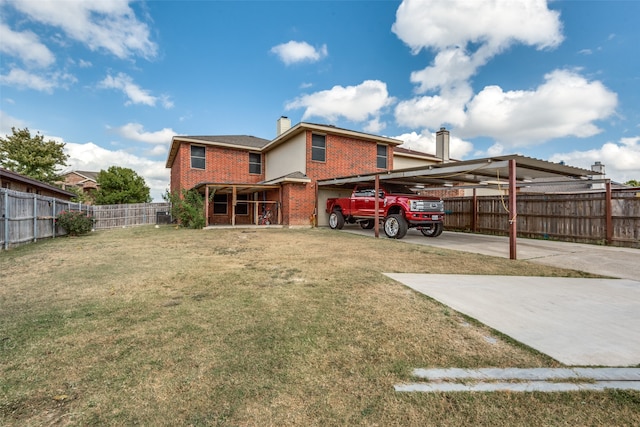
point(243, 142)
point(329, 129)
point(252, 143)
point(405, 152)
point(14, 176)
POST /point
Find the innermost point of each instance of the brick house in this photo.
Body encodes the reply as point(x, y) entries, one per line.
point(18, 182)
point(83, 180)
point(243, 176)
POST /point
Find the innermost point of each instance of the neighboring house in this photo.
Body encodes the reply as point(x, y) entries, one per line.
point(241, 176)
point(82, 180)
point(17, 182)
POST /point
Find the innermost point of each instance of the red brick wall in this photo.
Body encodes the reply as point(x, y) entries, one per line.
point(345, 156)
point(221, 165)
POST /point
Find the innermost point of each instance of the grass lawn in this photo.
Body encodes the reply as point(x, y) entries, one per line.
point(255, 327)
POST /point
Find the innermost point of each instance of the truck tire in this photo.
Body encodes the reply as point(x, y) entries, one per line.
point(434, 231)
point(336, 220)
point(368, 224)
point(395, 226)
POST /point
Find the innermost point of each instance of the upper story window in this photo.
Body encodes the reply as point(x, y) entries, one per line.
point(318, 148)
point(255, 163)
point(197, 157)
point(381, 162)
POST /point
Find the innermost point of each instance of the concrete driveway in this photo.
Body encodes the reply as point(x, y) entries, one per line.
point(623, 263)
point(576, 321)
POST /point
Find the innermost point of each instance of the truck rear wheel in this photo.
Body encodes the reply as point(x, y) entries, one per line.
point(433, 230)
point(395, 226)
point(336, 220)
point(368, 224)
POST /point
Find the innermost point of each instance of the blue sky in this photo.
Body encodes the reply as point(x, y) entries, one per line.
point(115, 80)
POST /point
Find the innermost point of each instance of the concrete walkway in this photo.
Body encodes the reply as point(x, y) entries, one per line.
point(583, 322)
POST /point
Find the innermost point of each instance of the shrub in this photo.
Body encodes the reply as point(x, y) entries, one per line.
point(187, 207)
point(74, 222)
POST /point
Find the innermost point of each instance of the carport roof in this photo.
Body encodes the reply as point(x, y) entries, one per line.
point(476, 172)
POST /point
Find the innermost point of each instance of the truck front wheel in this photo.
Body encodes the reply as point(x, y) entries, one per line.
point(395, 226)
point(336, 220)
point(433, 230)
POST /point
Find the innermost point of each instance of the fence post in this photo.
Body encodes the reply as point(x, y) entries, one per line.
point(35, 217)
point(6, 220)
point(53, 216)
point(474, 212)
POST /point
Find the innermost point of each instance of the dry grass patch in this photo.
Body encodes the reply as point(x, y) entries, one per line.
point(267, 327)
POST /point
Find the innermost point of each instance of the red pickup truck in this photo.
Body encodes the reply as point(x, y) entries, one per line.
point(399, 208)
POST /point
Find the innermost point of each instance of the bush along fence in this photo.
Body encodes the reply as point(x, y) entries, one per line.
point(598, 218)
point(28, 217)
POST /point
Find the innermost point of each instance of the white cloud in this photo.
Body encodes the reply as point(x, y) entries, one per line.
point(621, 160)
point(465, 35)
point(435, 24)
point(356, 103)
point(566, 104)
point(135, 93)
point(293, 52)
point(136, 132)
point(7, 122)
point(26, 46)
point(44, 82)
point(425, 142)
point(109, 25)
point(375, 125)
point(91, 157)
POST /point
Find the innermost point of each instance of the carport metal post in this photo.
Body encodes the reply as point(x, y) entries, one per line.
point(376, 200)
point(512, 209)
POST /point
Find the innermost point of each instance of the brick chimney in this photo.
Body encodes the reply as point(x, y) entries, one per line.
point(598, 167)
point(442, 145)
point(283, 124)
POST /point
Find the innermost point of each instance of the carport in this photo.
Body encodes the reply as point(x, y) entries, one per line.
point(500, 172)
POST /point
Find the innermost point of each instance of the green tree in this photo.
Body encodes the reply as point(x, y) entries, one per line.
point(119, 185)
point(633, 183)
point(32, 156)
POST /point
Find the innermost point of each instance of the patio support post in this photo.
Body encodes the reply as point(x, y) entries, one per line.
point(376, 217)
point(206, 205)
point(608, 213)
point(234, 196)
point(512, 209)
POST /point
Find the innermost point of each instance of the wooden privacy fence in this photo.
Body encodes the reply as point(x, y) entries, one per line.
point(117, 216)
point(27, 217)
point(583, 218)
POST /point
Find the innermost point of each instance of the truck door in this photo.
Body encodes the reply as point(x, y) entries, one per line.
point(362, 202)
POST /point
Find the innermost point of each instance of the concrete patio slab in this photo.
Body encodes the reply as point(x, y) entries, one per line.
point(583, 322)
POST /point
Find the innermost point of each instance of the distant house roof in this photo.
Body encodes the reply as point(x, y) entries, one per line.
point(567, 186)
point(93, 176)
point(6, 174)
point(405, 152)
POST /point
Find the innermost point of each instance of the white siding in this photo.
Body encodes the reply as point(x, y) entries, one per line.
point(287, 158)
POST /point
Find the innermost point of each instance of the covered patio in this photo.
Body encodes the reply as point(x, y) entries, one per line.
point(241, 204)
